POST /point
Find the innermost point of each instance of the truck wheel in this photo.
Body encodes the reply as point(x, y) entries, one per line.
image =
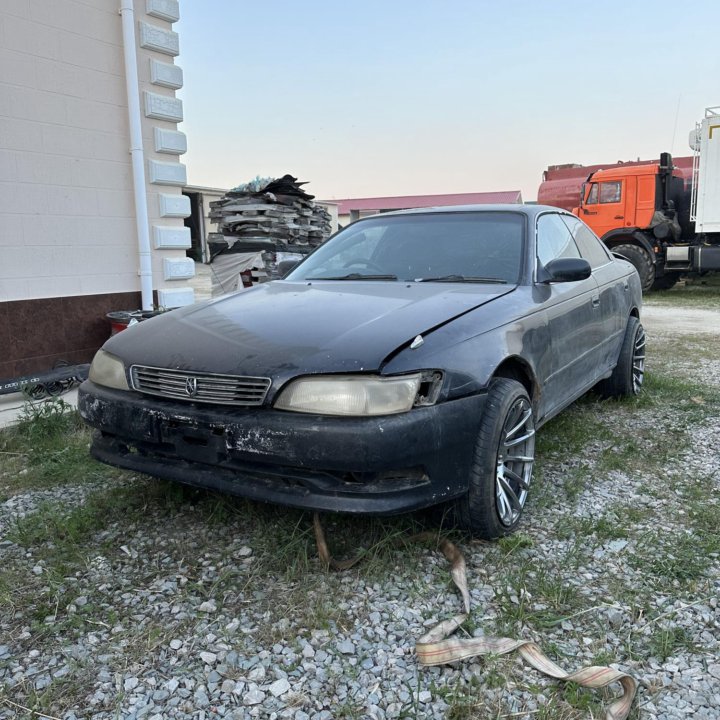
point(665, 282)
point(642, 261)
point(627, 377)
point(502, 464)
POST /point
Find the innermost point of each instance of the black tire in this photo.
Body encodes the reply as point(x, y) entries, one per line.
point(627, 377)
point(644, 263)
point(481, 511)
point(665, 282)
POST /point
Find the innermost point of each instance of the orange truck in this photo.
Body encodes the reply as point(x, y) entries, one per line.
point(649, 213)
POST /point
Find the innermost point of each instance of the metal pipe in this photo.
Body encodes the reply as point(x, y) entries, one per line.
point(127, 12)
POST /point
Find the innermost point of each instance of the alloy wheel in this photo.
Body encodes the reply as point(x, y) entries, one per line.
point(515, 458)
point(638, 360)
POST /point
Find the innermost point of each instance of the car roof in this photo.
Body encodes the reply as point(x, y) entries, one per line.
point(531, 211)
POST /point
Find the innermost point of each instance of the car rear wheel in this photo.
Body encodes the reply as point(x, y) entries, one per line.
point(502, 464)
point(629, 373)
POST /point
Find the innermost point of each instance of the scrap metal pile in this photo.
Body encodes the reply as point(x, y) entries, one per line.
point(280, 218)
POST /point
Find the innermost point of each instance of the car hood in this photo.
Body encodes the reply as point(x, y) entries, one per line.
point(282, 329)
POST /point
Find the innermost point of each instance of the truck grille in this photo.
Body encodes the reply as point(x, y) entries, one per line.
point(200, 387)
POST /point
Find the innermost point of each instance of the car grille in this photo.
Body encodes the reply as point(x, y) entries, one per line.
point(200, 387)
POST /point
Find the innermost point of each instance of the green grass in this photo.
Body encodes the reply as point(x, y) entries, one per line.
point(592, 433)
point(664, 642)
point(681, 556)
point(534, 596)
point(47, 447)
point(697, 292)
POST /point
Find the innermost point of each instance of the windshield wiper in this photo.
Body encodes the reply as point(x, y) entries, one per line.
point(356, 276)
point(463, 278)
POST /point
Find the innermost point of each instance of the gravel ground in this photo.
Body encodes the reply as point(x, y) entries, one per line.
point(198, 607)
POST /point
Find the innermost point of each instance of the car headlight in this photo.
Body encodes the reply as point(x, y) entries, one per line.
point(357, 395)
point(108, 370)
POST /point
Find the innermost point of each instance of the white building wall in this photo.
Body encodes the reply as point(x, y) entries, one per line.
point(67, 211)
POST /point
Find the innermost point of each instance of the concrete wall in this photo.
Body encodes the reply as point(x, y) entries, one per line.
point(67, 215)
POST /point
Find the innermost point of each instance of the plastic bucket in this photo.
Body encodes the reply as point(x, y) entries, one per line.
point(120, 319)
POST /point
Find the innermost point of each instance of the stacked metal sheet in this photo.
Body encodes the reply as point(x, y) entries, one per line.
point(280, 217)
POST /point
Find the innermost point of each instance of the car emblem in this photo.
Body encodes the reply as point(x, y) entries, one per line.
point(191, 387)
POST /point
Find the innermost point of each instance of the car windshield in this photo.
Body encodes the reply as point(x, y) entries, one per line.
point(473, 247)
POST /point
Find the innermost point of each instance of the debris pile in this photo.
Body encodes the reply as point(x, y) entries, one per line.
point(280, 217)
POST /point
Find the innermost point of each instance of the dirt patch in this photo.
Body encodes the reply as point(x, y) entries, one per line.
point(667, 320)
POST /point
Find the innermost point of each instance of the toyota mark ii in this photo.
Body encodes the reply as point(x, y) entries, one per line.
point(406, 363)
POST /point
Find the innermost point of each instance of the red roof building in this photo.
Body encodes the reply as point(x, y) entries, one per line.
point(350, 209)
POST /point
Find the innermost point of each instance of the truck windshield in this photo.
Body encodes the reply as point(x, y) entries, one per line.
point(440, 247)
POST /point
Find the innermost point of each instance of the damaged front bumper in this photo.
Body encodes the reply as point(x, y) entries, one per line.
point(379, 465)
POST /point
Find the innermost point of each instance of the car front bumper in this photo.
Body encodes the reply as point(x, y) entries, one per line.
point(379, 465)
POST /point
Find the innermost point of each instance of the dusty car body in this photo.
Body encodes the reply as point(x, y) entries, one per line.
point(405, 363)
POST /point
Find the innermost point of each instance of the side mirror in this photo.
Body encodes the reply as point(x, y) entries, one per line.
point(565, 270)
point(285, 266)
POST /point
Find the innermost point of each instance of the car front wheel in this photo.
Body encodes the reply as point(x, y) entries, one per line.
point(502, 464)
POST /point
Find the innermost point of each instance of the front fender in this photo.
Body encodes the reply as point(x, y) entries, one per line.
point(471, 348)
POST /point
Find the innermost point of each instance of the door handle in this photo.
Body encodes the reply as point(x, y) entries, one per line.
point(596, 301)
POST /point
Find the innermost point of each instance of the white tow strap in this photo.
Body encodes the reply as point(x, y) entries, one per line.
point(436, 647)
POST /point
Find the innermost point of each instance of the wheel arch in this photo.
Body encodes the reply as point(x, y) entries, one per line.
point(516, 368)
point(630, 236)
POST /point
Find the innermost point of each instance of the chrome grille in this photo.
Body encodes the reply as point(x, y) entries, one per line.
point(200, 387)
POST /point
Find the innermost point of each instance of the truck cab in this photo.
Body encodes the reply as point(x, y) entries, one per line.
point(638, 211)
point(664, 217)
point(619, 198)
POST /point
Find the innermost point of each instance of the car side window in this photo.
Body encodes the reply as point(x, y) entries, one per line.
point(590, 246)
point(610, 192)
point(554, 239)
point(592, 197)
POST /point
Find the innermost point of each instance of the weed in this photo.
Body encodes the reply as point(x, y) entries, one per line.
point(510, 543)
point(48, 419)
point(48, 446)
point(679, 556)
point(665, 641)
point(582, 699)
point(466, 700)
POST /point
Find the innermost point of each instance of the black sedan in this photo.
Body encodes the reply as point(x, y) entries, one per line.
point(407, 362)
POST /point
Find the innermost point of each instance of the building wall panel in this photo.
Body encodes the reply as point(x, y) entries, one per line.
point(67, 210)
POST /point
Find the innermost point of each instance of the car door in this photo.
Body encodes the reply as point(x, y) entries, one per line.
point(613, 293)
point(574, 321)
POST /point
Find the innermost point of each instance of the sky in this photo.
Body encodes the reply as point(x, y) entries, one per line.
point(404, 97)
